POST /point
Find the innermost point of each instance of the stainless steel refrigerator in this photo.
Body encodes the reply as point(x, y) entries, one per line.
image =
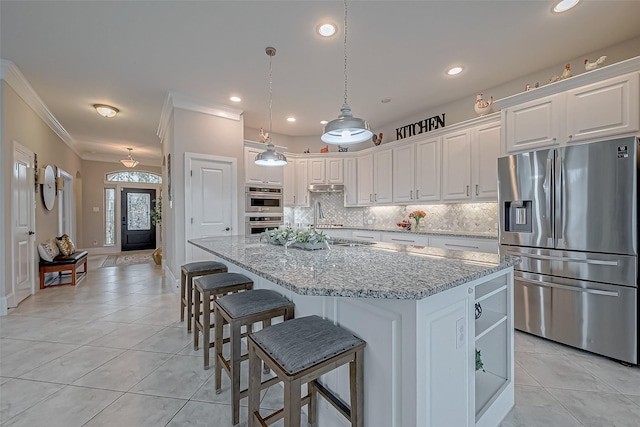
point(571, 214)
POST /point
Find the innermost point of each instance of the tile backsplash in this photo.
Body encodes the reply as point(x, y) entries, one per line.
point(470, 217)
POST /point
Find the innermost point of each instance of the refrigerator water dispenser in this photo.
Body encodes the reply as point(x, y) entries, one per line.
point(517, 216)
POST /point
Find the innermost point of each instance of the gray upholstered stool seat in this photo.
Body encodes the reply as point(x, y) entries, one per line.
point(207, 289)
point(300, 351)
point(238, 310)
point(187, 273)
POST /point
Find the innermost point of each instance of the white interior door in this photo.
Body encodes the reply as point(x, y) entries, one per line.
point(211, 208)
point(66, 206)
point(23, 225)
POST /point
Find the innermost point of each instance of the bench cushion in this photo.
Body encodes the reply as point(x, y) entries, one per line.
point(202, 266)
point(220, 280)
point(66, 259)
point(252, 302)
point(304, 342)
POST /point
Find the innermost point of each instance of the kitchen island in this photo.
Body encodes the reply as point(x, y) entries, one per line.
point(415, 308)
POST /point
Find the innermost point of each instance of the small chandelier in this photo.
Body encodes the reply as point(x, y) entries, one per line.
point(106, 110)
point(129, 162)
point(346, 129)
point(270, 157)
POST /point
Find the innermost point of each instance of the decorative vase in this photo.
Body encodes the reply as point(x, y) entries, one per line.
point(417, 227)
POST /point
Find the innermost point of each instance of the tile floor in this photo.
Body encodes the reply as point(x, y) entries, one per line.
point(113, 352)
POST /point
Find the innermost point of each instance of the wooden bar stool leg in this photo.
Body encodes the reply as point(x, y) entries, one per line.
point(265, 324)
point(196, 317)
point(356, 385)
point(292, 403)
point(182, 296)
point(235, 356)
point(254, 385)
point(217, 347)
point(313, 404)
point(190, 310)
point(206, 327)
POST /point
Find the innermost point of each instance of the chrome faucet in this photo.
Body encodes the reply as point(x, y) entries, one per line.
point(317, 213)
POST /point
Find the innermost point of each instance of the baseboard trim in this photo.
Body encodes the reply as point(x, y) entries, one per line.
point(4, 306)
point(101, 251)
point(169, 275)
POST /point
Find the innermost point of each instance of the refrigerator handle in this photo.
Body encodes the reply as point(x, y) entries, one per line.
point(549, 201)
point(559, 205)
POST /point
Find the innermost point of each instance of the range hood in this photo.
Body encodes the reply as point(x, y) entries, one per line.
point(326, 188)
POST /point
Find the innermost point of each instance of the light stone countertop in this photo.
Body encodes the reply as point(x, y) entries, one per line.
point(444, 233)
point(378, 270)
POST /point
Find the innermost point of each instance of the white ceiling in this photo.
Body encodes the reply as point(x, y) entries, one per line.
point(130, 53)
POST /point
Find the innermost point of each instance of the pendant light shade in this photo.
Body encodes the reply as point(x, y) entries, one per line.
point(129, 162)
point(346, 129)
point(270, 157)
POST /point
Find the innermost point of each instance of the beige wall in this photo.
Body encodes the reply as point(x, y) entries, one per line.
point(203, 134)
point(93, 185)
point(23, 125)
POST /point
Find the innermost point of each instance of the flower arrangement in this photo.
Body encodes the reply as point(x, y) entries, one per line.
point(306, 239)
point(417, 216)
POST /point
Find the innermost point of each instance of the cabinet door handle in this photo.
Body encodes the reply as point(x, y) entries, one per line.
point(403, 240)
point(461, 246)
point(477, 193)
point(467, 190)
point(375, 197)
point(411, 194)
point(417, 194)
point(294, 200)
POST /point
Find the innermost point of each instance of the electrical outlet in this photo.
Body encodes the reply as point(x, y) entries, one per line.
point(460, 333)
point(369, 221)
point(95, 243)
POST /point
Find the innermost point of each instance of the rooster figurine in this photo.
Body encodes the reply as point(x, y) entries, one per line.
point(565, 74)
point(264, 136)
point(377, 139)
point(483, 107)
point(589, 66)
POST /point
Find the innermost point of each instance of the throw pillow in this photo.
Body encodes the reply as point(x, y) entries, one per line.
point(66, 245)
point(48, 250)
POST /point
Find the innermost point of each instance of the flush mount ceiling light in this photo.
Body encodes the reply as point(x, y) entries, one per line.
point(291, 119)
point(564, 5)
point(455, 70)
point(270, 157)
point(129, 162)
point(326, 30)
point(346, 129)
point(323, 122)
point(106, 110)
point(235, 99)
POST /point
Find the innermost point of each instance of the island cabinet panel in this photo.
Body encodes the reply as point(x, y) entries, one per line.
point(603, 109)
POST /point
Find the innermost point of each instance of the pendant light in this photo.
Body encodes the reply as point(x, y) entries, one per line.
point(346, 129)
point(129, 162)
point(270, 157)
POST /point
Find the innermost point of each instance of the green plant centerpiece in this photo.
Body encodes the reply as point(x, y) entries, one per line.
point(305, 239)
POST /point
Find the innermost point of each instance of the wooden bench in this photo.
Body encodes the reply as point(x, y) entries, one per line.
point(65, 263)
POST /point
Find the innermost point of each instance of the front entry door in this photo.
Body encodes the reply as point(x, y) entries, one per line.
point(137, 230)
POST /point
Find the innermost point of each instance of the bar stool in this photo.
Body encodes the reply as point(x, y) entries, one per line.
point(238, 310)
point(188, 272)
point(298, 352)
point(208, 288)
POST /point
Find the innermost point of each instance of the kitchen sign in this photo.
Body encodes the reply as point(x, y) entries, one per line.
point(426, 125)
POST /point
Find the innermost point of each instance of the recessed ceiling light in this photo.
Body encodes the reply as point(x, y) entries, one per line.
point(106, 110)
point(291, 119)
point(323, 122)
point(455, 70)
point(326, 30)
point(564, 5)
point(235, 99)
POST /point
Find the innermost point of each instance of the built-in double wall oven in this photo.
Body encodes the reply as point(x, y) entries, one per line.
point(264, 209)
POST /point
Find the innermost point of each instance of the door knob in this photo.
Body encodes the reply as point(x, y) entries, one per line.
point(31, 233)
point(227, 229)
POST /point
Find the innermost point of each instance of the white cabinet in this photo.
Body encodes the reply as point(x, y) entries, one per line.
point(485, 150)
point(350, 182)
point(301, 195)
point(372, 236)
point(603, 109)
point(365, 180)
point(464, 244)
point(255, 174)
point(470, 163)
point(383, 177)
point(404, 174)
point(427, 174)
point(535, 124)
point(289, 187)
point(316, 171)
point(406, 238)
point(326, 171)
point(337, 233)
point(456, 166)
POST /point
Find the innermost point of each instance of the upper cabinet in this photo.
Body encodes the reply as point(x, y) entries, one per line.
point(255, 174)
point(301, 192)
point(404, 166)
point(350, 182)
point(375, 178)
point(326, 171)
point(365, 180)
point(428, 177)
point(595, 111)
point(289, 186)
point(470, 163)
point(603, 109)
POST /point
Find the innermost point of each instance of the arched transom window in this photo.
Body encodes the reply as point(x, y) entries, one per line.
point(134, 176)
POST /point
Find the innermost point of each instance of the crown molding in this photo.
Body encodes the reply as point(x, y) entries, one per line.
point(10, 73)
point(175, 100)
